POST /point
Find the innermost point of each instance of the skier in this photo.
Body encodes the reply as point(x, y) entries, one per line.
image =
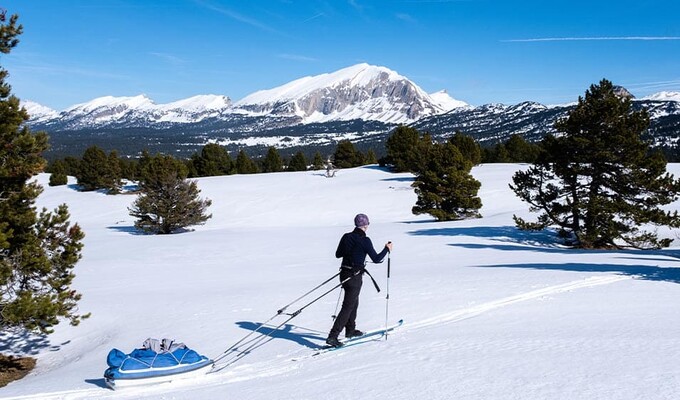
point(353, 248)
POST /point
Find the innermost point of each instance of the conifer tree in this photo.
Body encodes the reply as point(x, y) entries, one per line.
point(167, 201)
point(468, 147)
point(113, 173)
point(214, 160)
point(371, 158)
point(272, 161)
point(318, 162)
point(99, 171)
point(38, 251)
point(244, 164)
point(598, 182)
point(58, 173)
point(444, 186)
point(298, 162)
point(406, 150)
point(346, 155)
point(521, 151)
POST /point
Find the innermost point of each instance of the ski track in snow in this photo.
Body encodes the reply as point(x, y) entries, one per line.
point(284, 363)
point(473, 311)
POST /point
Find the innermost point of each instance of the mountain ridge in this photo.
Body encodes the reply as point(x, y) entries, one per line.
point(361, 91)
point(362, 103)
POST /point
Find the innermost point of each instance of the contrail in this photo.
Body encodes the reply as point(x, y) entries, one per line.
point(568, 39)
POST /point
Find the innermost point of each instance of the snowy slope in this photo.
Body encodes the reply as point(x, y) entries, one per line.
point(38, 112)
point(490, 312)
point(446, 102)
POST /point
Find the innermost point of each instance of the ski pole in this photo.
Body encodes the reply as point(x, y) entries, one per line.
point(278, 312)
point(260, 341)
point(337, 305)
point(387, 296)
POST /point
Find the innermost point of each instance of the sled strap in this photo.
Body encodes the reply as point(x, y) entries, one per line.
point(372, 280)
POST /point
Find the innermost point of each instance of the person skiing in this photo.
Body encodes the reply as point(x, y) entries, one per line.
point(353, 248)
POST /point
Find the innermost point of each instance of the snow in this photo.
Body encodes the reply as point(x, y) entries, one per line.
point(664, 96)
point(199, 103)
point(357, 75)
point(37, 111)
point(134, 102)
point(490, 312)
point(446, 102)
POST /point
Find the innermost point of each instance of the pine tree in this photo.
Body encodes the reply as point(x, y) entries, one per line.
point(99, 171)
point(298, 162)
point(468, 147)
point(598, 182)
point(38, 251)
point(214, 160)
point(58, 173)
point(371, 158)
point(167, 202)
point(318, 162)
point(406, 150)
point(346, 155)
point(272, 161)
point(521, 151)
point(244, 165)
point(113, 173)
point(445, 188)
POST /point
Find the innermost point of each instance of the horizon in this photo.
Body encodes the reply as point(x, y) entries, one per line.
point(480, 52)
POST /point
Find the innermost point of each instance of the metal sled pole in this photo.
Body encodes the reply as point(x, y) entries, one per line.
point(278, 312)
point(259, 341)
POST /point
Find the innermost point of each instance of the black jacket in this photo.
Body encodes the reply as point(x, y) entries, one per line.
point(355, 246)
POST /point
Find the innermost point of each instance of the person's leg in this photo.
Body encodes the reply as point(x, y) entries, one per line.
point(350, 302)
point(351, 324)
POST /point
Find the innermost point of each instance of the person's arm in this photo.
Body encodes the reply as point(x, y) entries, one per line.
point(375, 256)
point(340, 252)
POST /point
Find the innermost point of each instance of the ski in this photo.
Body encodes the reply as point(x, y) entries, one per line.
point(369, 336)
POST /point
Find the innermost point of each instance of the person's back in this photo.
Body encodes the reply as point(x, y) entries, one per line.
point(353, 248)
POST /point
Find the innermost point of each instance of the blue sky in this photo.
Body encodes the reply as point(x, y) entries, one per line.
point(480, 51)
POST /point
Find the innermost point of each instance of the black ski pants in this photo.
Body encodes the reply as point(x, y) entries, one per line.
point(348, 313)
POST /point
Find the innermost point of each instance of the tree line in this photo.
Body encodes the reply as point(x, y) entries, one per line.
point(97, 170)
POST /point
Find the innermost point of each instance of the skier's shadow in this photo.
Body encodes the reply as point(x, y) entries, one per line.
point(285, 332)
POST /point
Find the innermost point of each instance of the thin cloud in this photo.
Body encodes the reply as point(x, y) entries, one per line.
point(296, 57)
point(172, 59)
point(356, 5)
point(238, 17)
point(572, 39)
point(406, 17)
point(314, 17)
point(672, 85)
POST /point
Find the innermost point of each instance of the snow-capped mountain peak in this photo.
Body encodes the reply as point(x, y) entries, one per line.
point(38, 112)
point(445, 101)
point(361, 91)
point(200, 103)
point(356, 75)
point(111, 102)
point(663, 96)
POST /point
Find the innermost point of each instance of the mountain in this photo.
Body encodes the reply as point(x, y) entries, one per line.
point(362, 103)
point(664, 96)
point(359, 92)
point(39, 112)
point(362, 91)
point(494, 123)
